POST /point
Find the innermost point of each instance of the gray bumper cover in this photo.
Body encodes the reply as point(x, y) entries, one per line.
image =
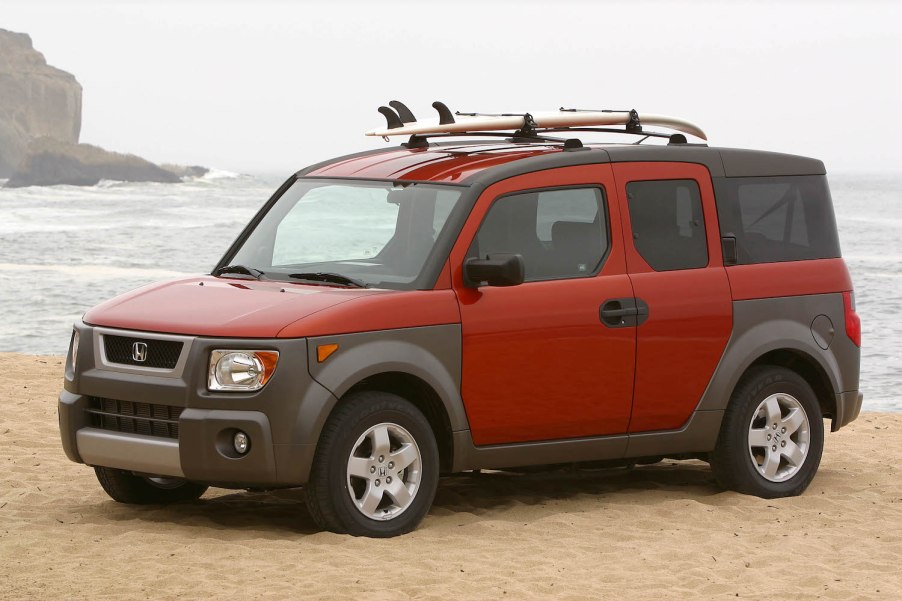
point(277, 418)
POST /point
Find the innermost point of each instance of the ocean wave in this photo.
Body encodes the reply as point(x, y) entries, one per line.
point(890, 258)
point(96, 271)
point(114, 183)
point(880, 220)
point(220, 174)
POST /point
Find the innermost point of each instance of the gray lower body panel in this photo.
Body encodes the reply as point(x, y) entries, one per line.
point(698, 435)
point(199, 443)
point(811, 329)
point(203, 452)
point(133, 452)
point(848, 406)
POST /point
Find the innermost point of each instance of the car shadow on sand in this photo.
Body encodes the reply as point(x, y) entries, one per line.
point(485, 495)
point(486, 492)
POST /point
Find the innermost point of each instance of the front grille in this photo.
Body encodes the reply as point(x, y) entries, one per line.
point(162, 354)
point(135, 418)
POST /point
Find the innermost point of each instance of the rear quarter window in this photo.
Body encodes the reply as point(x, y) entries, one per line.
point(775, 219)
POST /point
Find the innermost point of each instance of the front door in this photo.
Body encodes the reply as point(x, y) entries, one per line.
point(674, 258)
point(539, 362)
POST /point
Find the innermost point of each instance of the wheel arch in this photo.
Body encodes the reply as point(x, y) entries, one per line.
point(779, 331)
point(421, 365)
point(784, 342)
point(808, 368)
point(423, 396)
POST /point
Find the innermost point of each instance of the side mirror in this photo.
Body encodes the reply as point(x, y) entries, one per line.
point(495, 270)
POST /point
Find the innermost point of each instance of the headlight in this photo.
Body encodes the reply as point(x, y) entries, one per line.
point(73, 352)
point(241, 370)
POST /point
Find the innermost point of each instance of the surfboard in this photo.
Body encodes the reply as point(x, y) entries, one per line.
point(546, 119)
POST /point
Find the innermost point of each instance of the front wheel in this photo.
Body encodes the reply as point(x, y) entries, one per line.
point(376, 467)
point(772, 435)
point(126, 487)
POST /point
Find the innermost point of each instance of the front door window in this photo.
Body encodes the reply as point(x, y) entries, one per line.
point(559, 233)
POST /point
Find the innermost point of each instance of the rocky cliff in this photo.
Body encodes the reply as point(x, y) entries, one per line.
point(40, 122)
point(35, 100)
point(51, 162)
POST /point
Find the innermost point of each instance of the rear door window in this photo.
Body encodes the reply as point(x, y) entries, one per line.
point(668, 223)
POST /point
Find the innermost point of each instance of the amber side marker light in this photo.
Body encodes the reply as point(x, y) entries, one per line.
point(324, 351)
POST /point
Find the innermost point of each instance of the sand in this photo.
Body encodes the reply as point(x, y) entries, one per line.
point(664, 531)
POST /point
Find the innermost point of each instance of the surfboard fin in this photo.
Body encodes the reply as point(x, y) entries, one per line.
point(403, 112)
point(444, 113)
point(391, 117)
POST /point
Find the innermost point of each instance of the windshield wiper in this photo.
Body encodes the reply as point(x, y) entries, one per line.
point(239, 269)
point(330, 278)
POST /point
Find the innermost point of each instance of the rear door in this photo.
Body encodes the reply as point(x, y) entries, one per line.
point(675, 264)
point(538, 361)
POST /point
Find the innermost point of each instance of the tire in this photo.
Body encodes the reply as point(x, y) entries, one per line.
point(125, 487)
point(351, 490)
point(771, 437)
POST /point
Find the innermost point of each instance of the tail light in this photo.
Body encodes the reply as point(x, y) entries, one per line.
point(853, 322)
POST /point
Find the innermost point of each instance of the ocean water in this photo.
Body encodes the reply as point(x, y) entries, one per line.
point(64, 249)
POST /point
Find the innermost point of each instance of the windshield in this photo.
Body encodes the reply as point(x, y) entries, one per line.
point(333, 232)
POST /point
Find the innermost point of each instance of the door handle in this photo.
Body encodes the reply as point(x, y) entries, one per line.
point(607, 313)
point(623, 312)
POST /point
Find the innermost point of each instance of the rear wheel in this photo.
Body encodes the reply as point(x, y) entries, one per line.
point(376, 467)
point(126, 487)
point(772, 435)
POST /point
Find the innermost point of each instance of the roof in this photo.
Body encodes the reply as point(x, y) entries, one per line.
point(469, 162)
point(437, 163)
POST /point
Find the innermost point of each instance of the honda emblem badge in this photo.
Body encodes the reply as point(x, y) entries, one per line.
point(139, 352)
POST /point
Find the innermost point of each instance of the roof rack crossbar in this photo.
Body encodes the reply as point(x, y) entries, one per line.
point(421, 140)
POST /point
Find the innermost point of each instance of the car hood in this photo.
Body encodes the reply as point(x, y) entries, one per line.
point(224, 307)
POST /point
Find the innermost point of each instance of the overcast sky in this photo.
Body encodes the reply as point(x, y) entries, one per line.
point(273, 86)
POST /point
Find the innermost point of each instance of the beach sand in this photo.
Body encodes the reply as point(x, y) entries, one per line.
point(663, 531)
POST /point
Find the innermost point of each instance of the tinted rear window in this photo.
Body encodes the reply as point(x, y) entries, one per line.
point(775, 219)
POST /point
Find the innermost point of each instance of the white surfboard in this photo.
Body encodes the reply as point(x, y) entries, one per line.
point(466, 123)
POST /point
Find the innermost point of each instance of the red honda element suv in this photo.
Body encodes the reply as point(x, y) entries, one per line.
point(438, 307)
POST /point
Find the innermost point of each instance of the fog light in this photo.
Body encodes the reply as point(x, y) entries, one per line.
point(242, 442)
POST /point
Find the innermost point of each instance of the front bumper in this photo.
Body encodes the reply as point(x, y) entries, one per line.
point(282, 420)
